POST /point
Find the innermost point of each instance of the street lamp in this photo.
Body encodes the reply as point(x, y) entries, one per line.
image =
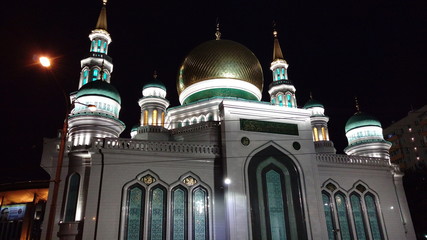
point(45, 62)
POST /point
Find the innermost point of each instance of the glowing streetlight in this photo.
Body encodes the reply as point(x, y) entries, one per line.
point(44, 61)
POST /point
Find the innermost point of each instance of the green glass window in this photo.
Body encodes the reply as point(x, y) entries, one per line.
point(92, 47)
point(273, 101)
point(72, 196)
point(85, 76)
point(95, 74)
point(104, 76)
point(340, 203)
point(135, 214)
point(278, 74)
point(328, 215)
point(275, 197)
point(358, 217)
point(276, 210)
point(179, 214)
point(280, 97)
point(283, 73)
point(99, 46)
point(373, 217)
point(288, 96)
point(158, 213)
point(104, 50)
point(200, 214)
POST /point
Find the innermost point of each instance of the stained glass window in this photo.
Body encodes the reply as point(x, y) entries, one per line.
point(288, 96)
point(373, 217)
point(342, 216)
point(72, 196)
point(158, 214)
point(85, 76)
point(275, 205)
point(135, 213)
point(328, 215)
point(179, 214)
point(280, 100)
point(358, 217)
point(95, 75)
point(200, 214)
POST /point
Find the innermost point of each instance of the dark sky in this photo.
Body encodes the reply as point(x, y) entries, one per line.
point(375, 50)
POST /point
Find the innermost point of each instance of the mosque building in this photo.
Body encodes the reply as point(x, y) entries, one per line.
point(223, 164)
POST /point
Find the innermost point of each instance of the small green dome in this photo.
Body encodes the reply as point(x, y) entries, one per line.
point(361, 120)
point(99, 88)
point(313, 103)
point(154, 83)
point(134, 127)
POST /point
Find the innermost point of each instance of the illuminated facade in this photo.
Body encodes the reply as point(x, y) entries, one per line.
point(223, 164)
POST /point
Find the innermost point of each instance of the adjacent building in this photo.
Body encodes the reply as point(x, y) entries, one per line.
point(409, 139)
point(223, 164)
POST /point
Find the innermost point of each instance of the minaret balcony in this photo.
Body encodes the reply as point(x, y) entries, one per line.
point(101, 55)
point(283, 81)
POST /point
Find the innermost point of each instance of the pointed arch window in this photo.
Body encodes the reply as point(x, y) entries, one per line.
point(200, 214)
point(157, 222)
point(85, 76)
point(275, 196)
point(289, 99)
point(72, 197)
point(135, 214)
point(179, 213)
point(280, 98)
point(95, 74)
point(327, 208)
point(362, 206)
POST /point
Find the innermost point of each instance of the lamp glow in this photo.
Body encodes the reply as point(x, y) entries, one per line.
point(227, 181)
point(44, 61)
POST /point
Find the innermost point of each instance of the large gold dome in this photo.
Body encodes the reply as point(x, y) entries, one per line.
point(219, 60)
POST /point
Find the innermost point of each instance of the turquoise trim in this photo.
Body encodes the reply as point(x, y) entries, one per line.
point(99, 88)
point(367, 141)
point(219, 92)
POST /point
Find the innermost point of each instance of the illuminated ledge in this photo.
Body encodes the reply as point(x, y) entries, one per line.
point(196, 127)
point(356, 161)
point(155, 146)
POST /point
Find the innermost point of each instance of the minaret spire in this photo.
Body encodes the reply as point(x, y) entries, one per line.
point(217, 33)
point(357, 105)
point(277, 51)
point(282, 91)
point(102, 19)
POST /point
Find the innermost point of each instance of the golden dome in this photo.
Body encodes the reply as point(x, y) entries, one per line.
point(220, 59)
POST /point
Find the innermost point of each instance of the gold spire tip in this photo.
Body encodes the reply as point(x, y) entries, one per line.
point(357, 104)
point(104, 2)
point(217, 33)
point(155, 74)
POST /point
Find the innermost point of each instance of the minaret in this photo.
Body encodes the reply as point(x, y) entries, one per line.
point(282, 91)
point(319, 124)
point(98, 66)
point(153, 112)
point(95, 89)
point(365, 136)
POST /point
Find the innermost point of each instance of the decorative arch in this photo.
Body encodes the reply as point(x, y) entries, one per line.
point(73, 188)
point(274, 186)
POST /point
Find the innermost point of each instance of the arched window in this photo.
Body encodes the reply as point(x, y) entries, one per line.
point(72, 197)
point(200, 214)
point(157, 222)
point(275, 197)
point(95, 74)
point(280, 98)
point(373, 219)
point(357, 211)
point(344, 226)
point(135, 213)
point(289, 100)
point(194, 121)
point(145, 122)
point(85, 76)
point(179, 213)
point(327, 208)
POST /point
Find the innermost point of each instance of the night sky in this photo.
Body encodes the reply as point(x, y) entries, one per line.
point(375, 50)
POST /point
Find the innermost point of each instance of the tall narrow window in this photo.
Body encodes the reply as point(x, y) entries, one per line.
point(154, 117)
point(324, 137)
point(104, 50)
point(72, 196)
point(358, 217)
point(99, 46)
point(275, 197)
point(328, 215)
point(145, 122)
point(280, 97)
point(85, 76)
point(342, 216)
point(163, 119)
point(315, 134)
point(283, 73)
point(179, 214)
point(135, 214)
point(95, 74)
point(104, 76)
point(92, 46)
point(278, 74)
point(373, 217)
point(200, 214)
point(288, 98)
point(158, 214)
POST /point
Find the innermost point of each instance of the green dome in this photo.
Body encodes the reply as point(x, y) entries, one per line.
point(99, 88)
point(313, 103)
point(154, 83)
point(361, 120)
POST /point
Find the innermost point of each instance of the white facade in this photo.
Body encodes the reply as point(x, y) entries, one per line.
point(221, 168)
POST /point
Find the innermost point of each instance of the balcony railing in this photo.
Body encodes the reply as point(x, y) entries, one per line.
point(353, 160)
